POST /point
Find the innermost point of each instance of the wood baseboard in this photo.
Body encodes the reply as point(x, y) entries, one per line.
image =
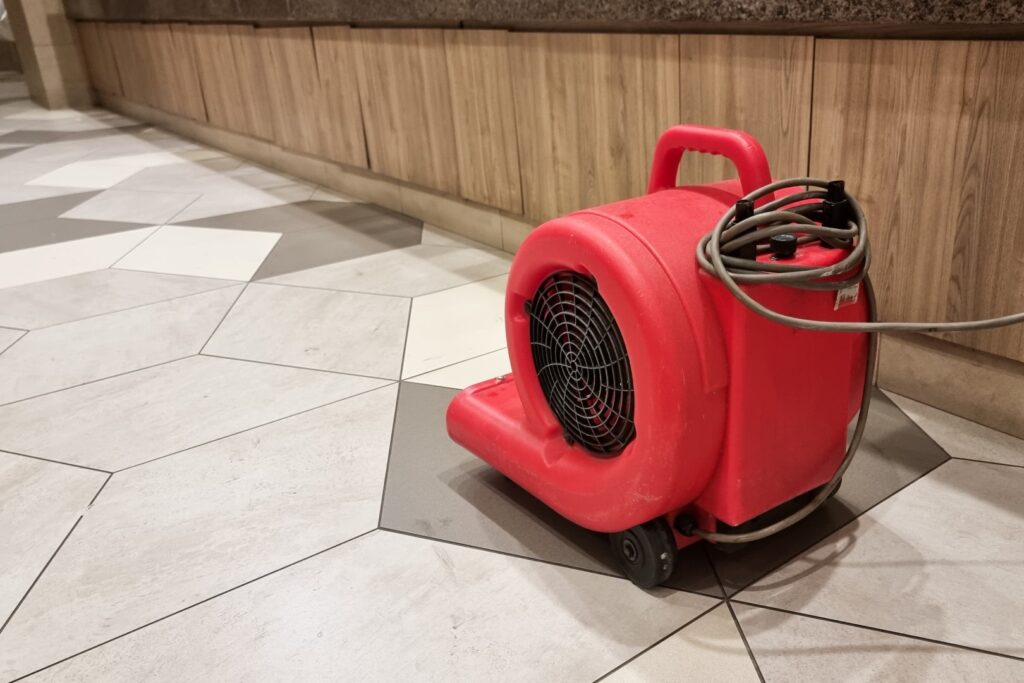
point(978, 386)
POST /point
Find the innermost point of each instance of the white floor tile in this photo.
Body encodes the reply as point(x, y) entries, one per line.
point(133, 418)
point(476, 311)
point(412, 271)
point(39, 503)
point(163, 536)
point(795, 648)
point(67, 258)
point(87, 350)
point(962, 438)
point(462, 375)
point(710, 649)
point(133, 206)
point(85, 174)
point(52, 302)
point(390, 607)
point(17, 173)
point(319, 329)
point(202, 252)
point(941, 559)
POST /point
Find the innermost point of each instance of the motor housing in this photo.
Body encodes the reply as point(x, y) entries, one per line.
point(732, 414)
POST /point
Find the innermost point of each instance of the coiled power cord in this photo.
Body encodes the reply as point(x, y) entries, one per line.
point(823, 212)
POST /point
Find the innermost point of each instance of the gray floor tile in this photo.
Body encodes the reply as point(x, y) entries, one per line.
point(51, 230)
point(16, 213)
point(166, 535)
point(62, 300)
point(942, 559)
point(151, 208)
point(291, 217)
point(796, 648)
point(389, 607)
point(320, 246)
point(893, 453)
point(435, 488)
point(39, 503)
point(147, 414)
point(962, 438)
point(103, 346)
point(412, 271)
point(362, 334)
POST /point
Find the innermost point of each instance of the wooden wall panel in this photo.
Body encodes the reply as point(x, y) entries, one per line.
point(407, 113)
point(176, 72)
point(929, 138)
point(589, 108)
point(316, 109)
point(342, 138)
point(130, 61)
point(485, 127)
point(229, 60)
point(760, 84)
point(99, 57)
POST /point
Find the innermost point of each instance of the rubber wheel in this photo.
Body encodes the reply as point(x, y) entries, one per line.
point(646, 553)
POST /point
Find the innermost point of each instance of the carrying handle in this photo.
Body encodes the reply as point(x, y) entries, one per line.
point(742, 149)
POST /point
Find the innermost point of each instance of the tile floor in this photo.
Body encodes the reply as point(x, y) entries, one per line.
point(223, 457)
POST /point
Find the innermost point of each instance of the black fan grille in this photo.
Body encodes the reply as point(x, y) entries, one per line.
point(582, 363)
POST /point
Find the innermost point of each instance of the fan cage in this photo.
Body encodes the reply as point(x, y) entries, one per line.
point(581, 363)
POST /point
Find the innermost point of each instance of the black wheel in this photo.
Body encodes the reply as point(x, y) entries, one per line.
point(646, 553)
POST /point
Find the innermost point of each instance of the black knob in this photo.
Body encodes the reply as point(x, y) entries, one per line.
point(744, 210)
point(783, 246)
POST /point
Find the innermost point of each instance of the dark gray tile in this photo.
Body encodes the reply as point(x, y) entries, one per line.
point(437, 489)
point(11, 150)
point(893, 453)
point(291, 217)
point(52, 230)
point(39, 209)
point(42, 137)
point(319, 246)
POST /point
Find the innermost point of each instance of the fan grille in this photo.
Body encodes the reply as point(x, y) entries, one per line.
point(581, 363)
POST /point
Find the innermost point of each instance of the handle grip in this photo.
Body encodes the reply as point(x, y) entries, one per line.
point(742, 149)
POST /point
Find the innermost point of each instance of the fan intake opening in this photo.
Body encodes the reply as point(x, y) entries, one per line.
point(581, 362)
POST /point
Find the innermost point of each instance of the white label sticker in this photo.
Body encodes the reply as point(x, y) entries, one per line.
point(847, 296)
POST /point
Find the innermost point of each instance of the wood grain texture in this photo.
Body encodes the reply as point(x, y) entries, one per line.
point(479, 75)
point(130, 61)
point(177, 73)
point(760, 84)
point(342, 137)
point(406, 105)
point(99, 57)
point(928, 136)
point(589, 108)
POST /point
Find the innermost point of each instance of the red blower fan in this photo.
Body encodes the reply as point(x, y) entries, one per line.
point(675, 368)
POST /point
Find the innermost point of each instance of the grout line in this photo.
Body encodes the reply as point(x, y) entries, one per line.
point(196, 604)
point(100, 490)
point(39, 575)
point(24, 333)
point(878, 629)
point(270, 281)
point(55, 462)
point(743, 637)
point(394, 419)
point(835, 531)
point(445, 367)
point(659, 641)
point(735, 620)
point(156, 229)
point(94, 381)
point(297, 367)
point(254, 427)
point(607, 574)
point(225, 285)
point(986, 462)
point(223, 318)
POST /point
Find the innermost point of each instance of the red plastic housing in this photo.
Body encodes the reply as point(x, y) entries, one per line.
point(734, 414)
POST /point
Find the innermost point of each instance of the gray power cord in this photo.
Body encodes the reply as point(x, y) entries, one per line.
point(787, 216)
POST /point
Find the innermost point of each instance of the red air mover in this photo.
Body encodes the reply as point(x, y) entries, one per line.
point(645, 399)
